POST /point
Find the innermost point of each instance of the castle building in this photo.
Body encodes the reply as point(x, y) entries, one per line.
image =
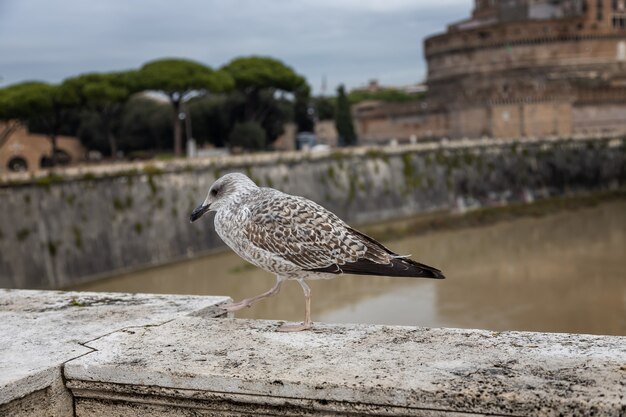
point(517, 68)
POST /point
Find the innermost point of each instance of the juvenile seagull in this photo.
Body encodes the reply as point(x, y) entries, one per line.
point(295, 238)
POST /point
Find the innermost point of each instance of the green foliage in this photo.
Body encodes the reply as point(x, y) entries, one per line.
point(303, 113)
point(247, 135)
point(103, 95)
point(324, 108)
point(78, 237)
point(145, 124)
point(75, 303)
point(212, 117)
point(387, 95)
point(53, 248)
point(100, 90)
point(104, 112)
point(22, 234)
point(49, 179)
point(45, 108)
point(257, 80)
point(343, 119)
point(176, 77)
point(256, 73)
point(152, 170)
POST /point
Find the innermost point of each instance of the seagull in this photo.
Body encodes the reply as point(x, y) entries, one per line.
point(296, 239)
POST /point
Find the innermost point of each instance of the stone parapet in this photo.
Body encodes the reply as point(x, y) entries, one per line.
point(40, 331)
point(148, 355)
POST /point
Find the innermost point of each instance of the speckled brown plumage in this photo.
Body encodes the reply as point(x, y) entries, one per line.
point(295, 238)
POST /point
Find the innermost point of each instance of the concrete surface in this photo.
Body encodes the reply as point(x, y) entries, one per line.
point(41, 330)
point(208, 367)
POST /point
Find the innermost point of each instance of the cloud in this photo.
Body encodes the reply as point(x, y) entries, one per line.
point(347, 41)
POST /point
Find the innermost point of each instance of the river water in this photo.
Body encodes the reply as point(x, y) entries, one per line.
point(564, 272)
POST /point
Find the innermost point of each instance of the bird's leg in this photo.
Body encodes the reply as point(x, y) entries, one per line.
point(249, 301)
point(307, 312)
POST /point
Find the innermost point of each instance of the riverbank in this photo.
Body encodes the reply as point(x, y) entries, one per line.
point(484, 216)
point(75, 227)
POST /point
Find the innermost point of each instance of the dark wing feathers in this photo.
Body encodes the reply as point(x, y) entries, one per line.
point(399, 266)
point(316, 240)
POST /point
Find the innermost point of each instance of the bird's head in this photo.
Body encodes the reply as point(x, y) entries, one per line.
point(224, 191)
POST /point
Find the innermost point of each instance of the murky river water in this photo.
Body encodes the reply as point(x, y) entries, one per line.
point(565, 272)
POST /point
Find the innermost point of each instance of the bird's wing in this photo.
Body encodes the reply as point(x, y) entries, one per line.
point(308, 235)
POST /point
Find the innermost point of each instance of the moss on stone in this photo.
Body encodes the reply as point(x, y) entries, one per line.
point(152, 170)
point(153, 187)
point(53, 247)
point(49, 180)
point(138, 228)
point(78, 237)
point(117, 204)
point(22, 234)
point(377, 154)
point(76, 303)
point(70, 199)
point(412, 179)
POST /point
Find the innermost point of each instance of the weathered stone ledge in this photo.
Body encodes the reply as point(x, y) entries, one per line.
point(124, 169)
point(194, 365)
point(40, 331)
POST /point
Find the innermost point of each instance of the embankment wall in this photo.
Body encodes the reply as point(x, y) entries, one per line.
point(71, 226)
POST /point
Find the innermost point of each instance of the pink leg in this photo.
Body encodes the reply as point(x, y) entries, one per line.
point(307, 312)
point(249, 301)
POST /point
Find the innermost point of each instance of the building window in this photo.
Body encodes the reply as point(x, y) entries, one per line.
point(621, 51)
point(599, 9)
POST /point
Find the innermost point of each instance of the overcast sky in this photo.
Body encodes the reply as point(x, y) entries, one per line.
point(348, 41)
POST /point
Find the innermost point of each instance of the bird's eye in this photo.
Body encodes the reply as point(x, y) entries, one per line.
point(214, 192)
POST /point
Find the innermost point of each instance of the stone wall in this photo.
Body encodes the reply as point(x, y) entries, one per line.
point(74, 225)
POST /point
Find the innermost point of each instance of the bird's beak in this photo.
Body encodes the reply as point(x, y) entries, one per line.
point(198, 212)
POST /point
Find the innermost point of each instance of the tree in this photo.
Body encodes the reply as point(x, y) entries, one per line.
point(105, 94)
point(247, 135)
point(145, 125)
point(343, 119)
point(179, 80)
point(303, 114)
point(260, 80)
point(44, 107)
point(214, 116)
point(324, 108)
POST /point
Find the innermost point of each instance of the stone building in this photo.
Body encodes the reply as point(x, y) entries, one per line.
point(21, 150)
point(517, 68)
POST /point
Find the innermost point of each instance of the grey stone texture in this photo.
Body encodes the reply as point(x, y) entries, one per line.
point(40, 331)
point(210, 367)
point(65, 229)
point(86, 354)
